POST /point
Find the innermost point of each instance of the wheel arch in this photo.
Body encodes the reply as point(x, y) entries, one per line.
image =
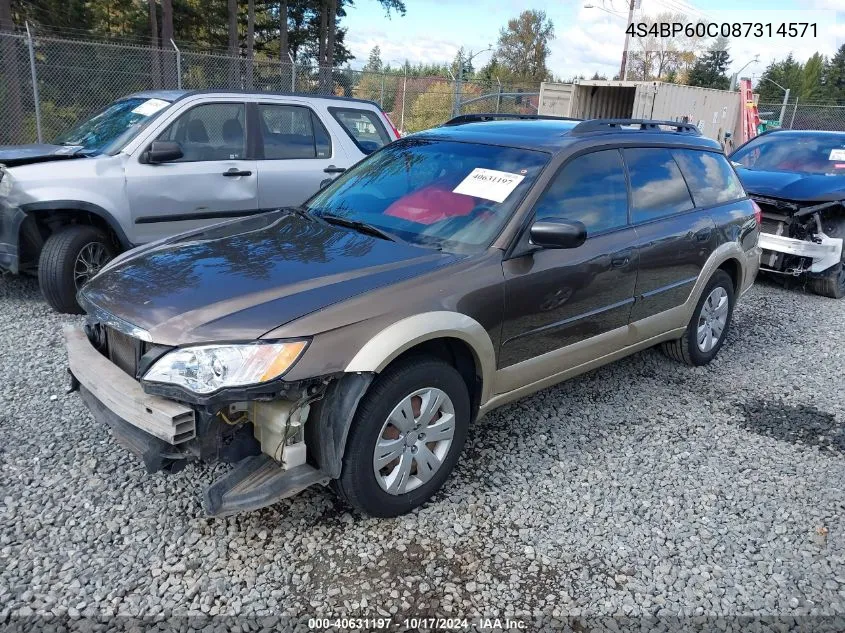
point(733, 267)
point(43, 218)
point(458, 332)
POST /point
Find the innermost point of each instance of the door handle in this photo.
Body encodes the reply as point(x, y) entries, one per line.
point(331, 169)
point(703, 235)
point(236, 172)
point(620, 261)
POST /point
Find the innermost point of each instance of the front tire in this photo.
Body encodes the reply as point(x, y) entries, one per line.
point(709, 324)
point(406, 437)
point(70, 257)
point(831, 283)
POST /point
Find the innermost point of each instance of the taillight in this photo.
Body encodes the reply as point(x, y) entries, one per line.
point(390, 123)
point(758, 213)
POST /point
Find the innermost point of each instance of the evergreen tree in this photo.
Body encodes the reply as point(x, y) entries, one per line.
point(834, 77)
point(812, 76)
point(710, 70)
point(374, 63)
point(787, 73)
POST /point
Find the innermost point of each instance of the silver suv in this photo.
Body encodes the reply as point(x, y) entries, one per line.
point(154, 164)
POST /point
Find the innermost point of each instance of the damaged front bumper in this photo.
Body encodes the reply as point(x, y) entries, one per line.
point(11, 219)
point(822, 254)
point(266, 439)
point(793, 236)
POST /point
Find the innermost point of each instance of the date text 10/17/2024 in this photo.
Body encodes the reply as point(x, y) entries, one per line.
point(414, 623)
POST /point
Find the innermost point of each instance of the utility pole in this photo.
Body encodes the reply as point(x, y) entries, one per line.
point(783, 107)
point(623, 70)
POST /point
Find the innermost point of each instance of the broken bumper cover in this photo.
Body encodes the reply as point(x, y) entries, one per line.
point(823, 254)
point(11, 218)
point(122, 395)
point(161, 432)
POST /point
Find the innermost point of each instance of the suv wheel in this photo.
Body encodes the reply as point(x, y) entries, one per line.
point(70, 257)
point(709, 325)
point(831, 283)
point(407, 435)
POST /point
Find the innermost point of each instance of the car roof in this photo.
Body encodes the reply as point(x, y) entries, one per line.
point(166, 95)
point(551, 135)
point(782, 132)
point(174, 95)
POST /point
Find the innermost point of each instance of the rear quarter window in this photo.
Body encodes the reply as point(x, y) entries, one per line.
point(657, 186)
point(364, 127)
point(709, 176)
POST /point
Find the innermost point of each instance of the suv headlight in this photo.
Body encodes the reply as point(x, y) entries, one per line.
point(204, 369)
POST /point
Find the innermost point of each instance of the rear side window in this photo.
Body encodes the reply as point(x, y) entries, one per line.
point(364, 127)
point(291, 132)
point(590, 189)
point(657, 187)
point(709, 176)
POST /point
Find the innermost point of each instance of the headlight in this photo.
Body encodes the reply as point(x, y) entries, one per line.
point(207, 368)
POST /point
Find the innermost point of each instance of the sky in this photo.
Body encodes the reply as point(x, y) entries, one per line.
point(587, 40)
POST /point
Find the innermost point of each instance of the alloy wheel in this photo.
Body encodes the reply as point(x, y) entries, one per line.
point(712, 319)
point(90, 260)
point(414, 441)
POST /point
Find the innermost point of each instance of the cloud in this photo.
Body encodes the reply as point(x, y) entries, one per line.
point(420, 49)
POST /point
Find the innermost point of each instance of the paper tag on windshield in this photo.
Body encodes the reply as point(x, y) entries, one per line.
point(150, 106)
point(489, 184)
point(837, 154)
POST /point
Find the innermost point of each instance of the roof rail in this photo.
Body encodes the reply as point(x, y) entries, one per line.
point(645, 125)
point(495, 116)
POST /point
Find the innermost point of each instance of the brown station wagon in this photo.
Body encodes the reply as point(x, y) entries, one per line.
point(352, 341)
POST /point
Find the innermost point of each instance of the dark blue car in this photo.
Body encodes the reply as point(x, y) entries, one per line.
point(797, 178)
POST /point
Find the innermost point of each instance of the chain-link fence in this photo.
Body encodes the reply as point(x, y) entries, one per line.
point(803, 116)
point(51, 83)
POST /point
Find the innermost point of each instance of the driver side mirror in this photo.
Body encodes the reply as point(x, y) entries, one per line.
point(558, 233)
point(163, 152)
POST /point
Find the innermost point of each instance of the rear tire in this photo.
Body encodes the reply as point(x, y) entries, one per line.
point(716, 300)
point(373, 437)
point(70, 257)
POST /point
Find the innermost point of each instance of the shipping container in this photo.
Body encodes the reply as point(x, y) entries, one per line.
point(715, 112)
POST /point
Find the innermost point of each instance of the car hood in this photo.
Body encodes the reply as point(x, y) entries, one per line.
point(793, 186)
point(239, 280)
point(11, 155)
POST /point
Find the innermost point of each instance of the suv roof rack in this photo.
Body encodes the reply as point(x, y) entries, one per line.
point(494, 116)
point(645, 125)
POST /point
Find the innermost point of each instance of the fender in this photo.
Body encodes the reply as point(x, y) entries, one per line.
point(79, 205)
point(388, 344)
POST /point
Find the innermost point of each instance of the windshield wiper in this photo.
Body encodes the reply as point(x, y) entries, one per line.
point(361, 227)
point(300, 211)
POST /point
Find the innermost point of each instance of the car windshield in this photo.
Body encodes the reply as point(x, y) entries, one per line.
point(806, 153)
point(115, 126)
point(451, 195)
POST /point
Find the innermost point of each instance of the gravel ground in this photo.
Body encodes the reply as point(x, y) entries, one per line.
point(642, 488)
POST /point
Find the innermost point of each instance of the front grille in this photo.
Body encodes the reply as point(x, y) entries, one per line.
point(771, 226)
point(123, 350)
